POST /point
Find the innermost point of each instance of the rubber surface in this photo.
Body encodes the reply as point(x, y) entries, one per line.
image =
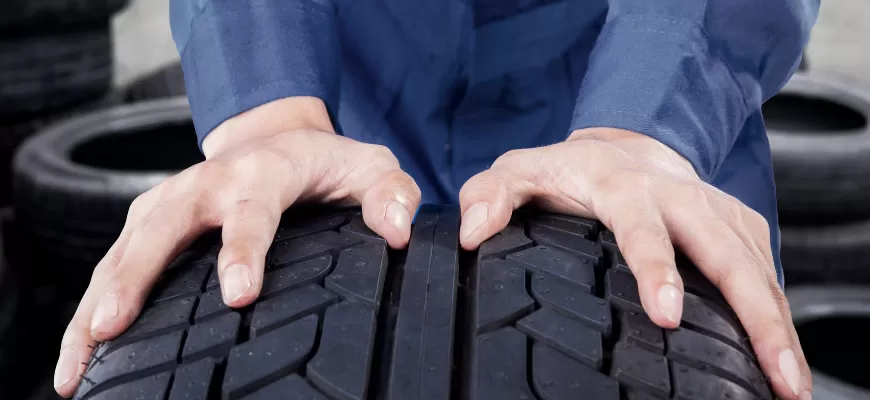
point(833, 322)
point(45, 15)
point(819, 253)
point(75, 181)
point(51, 71)
point(545, 310)
point(819, 131)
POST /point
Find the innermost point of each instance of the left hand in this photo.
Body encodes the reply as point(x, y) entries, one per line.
point(652, 200)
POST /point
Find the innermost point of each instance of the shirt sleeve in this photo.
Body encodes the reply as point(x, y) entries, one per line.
point(690, 72)
point(239, 54)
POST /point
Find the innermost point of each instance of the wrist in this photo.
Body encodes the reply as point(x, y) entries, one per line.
point(267, 120)
point(639, 144)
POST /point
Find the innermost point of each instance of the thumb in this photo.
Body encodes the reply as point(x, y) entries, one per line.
point(487, 201)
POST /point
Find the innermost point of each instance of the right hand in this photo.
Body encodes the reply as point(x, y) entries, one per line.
point(248, 180)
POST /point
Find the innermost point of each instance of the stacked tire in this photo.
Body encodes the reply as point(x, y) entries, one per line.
point(75, 181)
point(56, 59)
point(819, 131)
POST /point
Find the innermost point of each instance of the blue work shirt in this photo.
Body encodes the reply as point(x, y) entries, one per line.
point(450, 85)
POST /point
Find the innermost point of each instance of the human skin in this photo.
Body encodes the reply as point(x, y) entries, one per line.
point(261, 162)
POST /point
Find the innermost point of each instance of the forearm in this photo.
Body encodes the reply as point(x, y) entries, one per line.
point(689, 72)
point(241, 55)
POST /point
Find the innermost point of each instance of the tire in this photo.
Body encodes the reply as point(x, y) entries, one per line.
point(75, 181)
point(833, 322)
point(165, 82)
point(552, 314)
point(826, 254)
point(820, 139)
point(54, 71)
point(45, 14)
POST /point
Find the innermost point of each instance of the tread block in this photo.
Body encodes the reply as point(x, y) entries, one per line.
point(423, 346)
point(213, 280)
point(607, 239)
point(135, 358)
point(163, 317)
point(564, 334)
point(290, 232)
point(210, 303)
point(580, 229)
point(358, 227)
point(584, 307)
point(568, 242)
point(292, 387)
point(501, 295)
point(640, 369)
point(267, 357)
point(619, 263)
point(295, 250)
point(216, 336)
point(589, 224)
point(690, 384)
point(512, 238)
point(500, 366)
point(342, 365)
point(695, 282)
point(574, 269)
point(620, 289)
point(633, 395)
point(708, 354)
point(359, 273)
point(556, 377)
point(181, 281)
point(288, 307)
point(149, 388)
point(638, 329)
point(193, 381)
point(296, 275)
point(701, 316)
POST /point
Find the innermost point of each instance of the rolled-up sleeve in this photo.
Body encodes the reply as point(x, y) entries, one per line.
point(690, 72)
point(239, 54)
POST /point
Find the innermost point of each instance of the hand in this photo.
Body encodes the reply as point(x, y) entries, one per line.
point(652, 200)
point(244, 186)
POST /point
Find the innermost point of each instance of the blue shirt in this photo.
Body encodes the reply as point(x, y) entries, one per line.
point(450, 85)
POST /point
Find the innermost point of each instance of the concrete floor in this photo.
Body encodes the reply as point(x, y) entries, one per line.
point(840, 43)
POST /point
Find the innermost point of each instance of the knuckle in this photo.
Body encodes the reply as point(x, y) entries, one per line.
point(382, 153)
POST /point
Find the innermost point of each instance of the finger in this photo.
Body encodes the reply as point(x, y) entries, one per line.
point(248, 229)
point(389, 198)
point(77, 345)
point(645, 243)
point(487, 202)
point(720, 254)
point(170, 227)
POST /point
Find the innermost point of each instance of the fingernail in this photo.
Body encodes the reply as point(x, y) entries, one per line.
point(398, 216)
point(235, 282)
point(670, 303)
point(473, 218)
point(107, 309)
point(788, 368)
point(806, 395)
point(67, 367)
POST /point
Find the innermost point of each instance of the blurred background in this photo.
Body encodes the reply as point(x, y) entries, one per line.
point(85, 101)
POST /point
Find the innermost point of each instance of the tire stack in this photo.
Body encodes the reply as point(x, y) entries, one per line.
point(819, 131)
point(55, 59)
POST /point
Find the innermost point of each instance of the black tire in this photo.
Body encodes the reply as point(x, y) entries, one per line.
point(163, 83)
point(820, 139)
point(820, 254)
point(832, 323)
point(546, 309)
point(53, 71)
point(47, 14)
point(75, 181)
